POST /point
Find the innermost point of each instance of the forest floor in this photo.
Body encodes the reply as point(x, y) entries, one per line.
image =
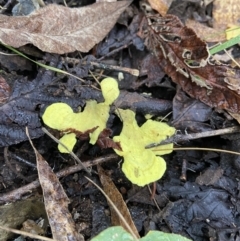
point(159, 75)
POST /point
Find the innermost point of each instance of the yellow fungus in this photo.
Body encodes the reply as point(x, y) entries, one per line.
point(60, 116)
point(232, 32)
point(69, 140)
point(142, 166)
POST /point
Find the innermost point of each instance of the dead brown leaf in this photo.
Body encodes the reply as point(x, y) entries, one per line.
point(31, 226)
point(28, 208)
point(5, 90)
point(206, 33)
point(112, 192)
point(160, 6)
point(190, 114)
point(104, 141)
point(185, 58)
point(210, 176)
point(56, 203)
point(58, 29)
point(225, 13)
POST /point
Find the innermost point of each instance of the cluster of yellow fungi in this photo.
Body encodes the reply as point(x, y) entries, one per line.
point(141, 166)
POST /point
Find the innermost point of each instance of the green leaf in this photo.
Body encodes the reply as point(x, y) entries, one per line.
point(114, 233)
point(119, 234)
point(161, 236)
point(40, 64)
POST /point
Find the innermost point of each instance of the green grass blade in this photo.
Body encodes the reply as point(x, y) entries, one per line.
point(40, 64)
point(225, 45)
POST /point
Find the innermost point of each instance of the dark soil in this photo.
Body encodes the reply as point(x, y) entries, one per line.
point(199, 193)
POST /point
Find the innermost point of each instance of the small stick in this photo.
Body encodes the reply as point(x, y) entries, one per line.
point(153, 193)
point(183, 176)
point(7, 161)
point(5, 7)
point(134, 72)
point(20, 159)
point(23, 233)
point(115, 209)
point(115, 50)
point(18, 193)
point(70, 152)
point(181, 138)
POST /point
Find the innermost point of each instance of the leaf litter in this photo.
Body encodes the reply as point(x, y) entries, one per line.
point(116, 197)
point(71, 29)
point(185, 58)
point(187, 200)
point(56, 202)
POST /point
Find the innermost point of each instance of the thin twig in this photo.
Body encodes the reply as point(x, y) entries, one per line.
point(153, 192)
point(134, 72)
point(27, 234)
point(231, 57)
point(115, 209)
point(99, 65)
point(5, 7)
point(115, 51)
point(182, 138)
point(70, 152)
point(7, 161)
point(18, 193)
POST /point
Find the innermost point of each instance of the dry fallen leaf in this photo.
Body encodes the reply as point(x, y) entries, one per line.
point(31, 226)
point(206, 33)
point(58, 29)
point(185, 58)
point(112, 192)
point(56, 203)
point(160, 6)
point(225, 13)
point(29, 208)
point(5, 90)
